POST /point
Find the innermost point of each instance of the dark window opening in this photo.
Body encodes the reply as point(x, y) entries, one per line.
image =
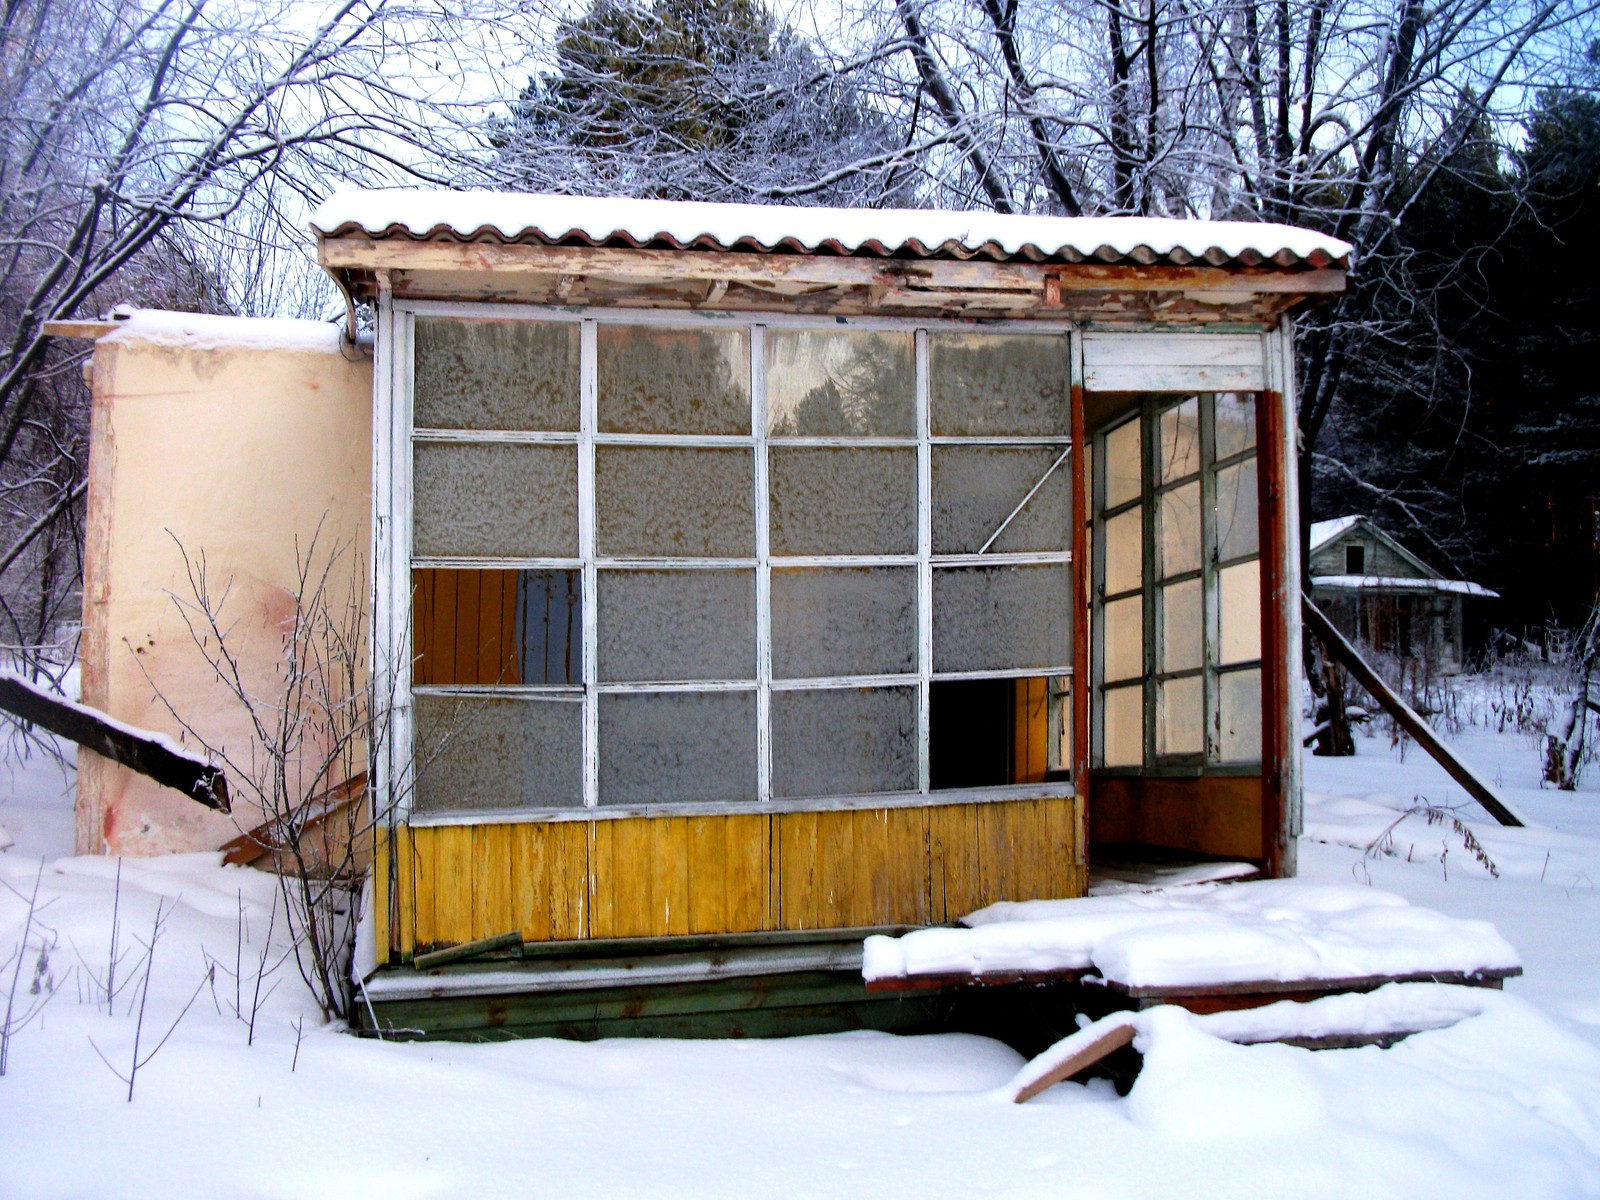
point(992, 732)
point(1355, 560)
point(496, 627)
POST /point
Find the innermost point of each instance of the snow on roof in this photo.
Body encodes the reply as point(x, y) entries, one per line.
point(584, 220)
point(1396, 583)
point(200, 331)
point(1271, 931)
point(1323, 532)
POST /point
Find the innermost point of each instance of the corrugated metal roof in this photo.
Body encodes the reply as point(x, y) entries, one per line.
point(913, 233)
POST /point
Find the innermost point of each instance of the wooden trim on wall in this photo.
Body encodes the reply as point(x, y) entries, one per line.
point(1276, 703)
point(1082, 576)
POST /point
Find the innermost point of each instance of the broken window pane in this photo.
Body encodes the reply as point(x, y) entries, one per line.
point(840, 383)
point(1180, 440)
point(1180, 716)
point(1124, 638)
point(492, 626)
point(661, 502)
point(977, 488)
point(854, 621)
point(1238, 519)
point(667, 626)
point(1182, 625)
point(1239, 612)
point(1013, 385)
point(1178, 533)
point(1236, 423)
point(1124, 475)
point(1124, 536)
point(838, 501)
point(509, 375)
point(1239, 716)
point(1123, 714)
point(677, 747)
point(1001, 618)
point(494, 500)
point(476, 753)
point(844, 742)
point(656, 380)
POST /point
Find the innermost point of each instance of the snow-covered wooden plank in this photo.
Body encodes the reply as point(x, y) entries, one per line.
point(1073, 1054)
point(151, 754)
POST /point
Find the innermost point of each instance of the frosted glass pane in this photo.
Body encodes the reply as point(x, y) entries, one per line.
point(677, 625)
point(677, 747)
point(828, 501)
point(1124, 636)
point(674, 503)
point(1183, 625)
point(494, 501)
point(1123, 742)
point(840, 383)
point(495, 375)
point(844, 622)
point(1180, 440)
point(1239, 716)
point(1124, 476)
point(1236, 423)
point(1124, 551)
point(988, 383)
point(496, 627)
point(654, 380)
point(1180, 716)
point(844, 742)
point(998, 618)
point(1238, 520)
point(1178, 531)
point(975, 488)
point(475, 753)
point(1239, 612)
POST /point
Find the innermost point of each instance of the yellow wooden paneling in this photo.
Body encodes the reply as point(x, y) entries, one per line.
point(661, 876)
point(380, 893)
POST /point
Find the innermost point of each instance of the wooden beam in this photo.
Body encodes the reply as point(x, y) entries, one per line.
point(1078, 1053)
point(1278, 709)
point(83, 330)
point(146, 753)
point(1337, 646)
point(360, 252)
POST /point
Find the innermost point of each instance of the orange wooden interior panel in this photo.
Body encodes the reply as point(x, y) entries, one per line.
point(1217, 814)
point(741, 873)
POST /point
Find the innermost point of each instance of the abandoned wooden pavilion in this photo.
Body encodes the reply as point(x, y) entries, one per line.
point(750, 578)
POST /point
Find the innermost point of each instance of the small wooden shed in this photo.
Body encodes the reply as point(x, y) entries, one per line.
point(746, 577)
point(751, 569)
point(1381, 595)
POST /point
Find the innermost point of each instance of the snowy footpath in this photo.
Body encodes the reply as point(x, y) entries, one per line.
point(248, 1096)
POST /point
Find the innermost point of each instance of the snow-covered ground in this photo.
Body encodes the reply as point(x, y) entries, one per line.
point(1505, 1103)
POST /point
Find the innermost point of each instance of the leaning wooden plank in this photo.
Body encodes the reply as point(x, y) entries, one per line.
point(1341, 649)
point(270, 837)
point(1072, 1054)
point(500, 941)
point(139, 750)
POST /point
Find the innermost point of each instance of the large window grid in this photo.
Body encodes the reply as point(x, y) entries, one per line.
point(1177, 597)
point(943, 558)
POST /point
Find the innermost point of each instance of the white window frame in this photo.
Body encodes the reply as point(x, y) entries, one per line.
point(393, 438)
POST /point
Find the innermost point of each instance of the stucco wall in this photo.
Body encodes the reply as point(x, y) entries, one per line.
point(228, 438)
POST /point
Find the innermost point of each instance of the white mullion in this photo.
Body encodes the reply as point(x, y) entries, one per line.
point(1022, 558)
point(402, 730)
point(588, 359)
point(501, 691)
point(1002, 440)
point(924, 562)
point(815, 561)
point(845, 443)
point(1064, 671)
point(694, 441)
point(664, 686)
point(384, 656)
point(676, 564)
point(445, 562)
point(758, 415)
point(838, 682)
point(511, 436)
